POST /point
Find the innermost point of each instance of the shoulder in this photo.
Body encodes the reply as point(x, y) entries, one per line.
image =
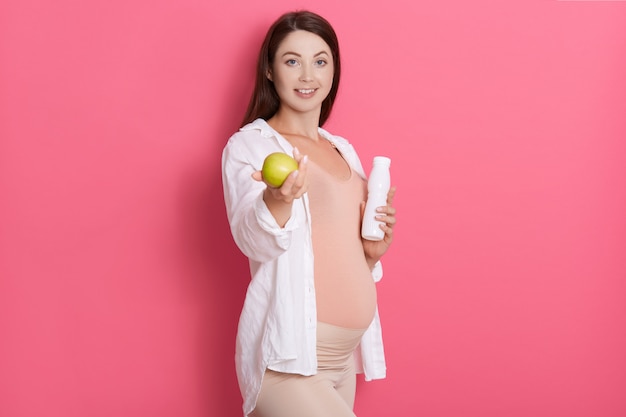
point(346, 149)
point(253, 142)
point(252, 131)
point(256, 135)
point(337, 140)
point(344, 146)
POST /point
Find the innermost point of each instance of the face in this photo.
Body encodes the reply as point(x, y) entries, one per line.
point(302, 72)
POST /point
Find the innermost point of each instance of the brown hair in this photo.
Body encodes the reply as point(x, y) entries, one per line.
point(264, 102)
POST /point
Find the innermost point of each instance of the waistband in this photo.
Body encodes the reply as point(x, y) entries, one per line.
point(336, 344)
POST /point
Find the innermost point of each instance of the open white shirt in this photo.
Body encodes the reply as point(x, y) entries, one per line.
point(277, 326)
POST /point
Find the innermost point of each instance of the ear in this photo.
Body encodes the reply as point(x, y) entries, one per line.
point(268, 74)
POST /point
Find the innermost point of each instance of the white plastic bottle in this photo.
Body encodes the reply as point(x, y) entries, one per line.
point(377, 189)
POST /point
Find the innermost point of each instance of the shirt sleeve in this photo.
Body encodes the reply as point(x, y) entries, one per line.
point(254, 229)
point(377, 271)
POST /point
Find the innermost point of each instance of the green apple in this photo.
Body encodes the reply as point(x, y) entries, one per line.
point(277, 167)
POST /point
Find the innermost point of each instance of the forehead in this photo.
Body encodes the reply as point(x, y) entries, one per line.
point(304, 43)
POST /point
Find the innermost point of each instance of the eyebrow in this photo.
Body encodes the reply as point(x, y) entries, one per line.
point(300, 56)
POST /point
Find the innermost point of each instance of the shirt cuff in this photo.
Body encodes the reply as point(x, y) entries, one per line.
point(269, 224)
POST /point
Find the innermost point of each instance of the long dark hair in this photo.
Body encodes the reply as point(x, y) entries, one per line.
point(264, 102)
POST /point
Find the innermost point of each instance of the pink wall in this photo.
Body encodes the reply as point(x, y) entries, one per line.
point(505, 291)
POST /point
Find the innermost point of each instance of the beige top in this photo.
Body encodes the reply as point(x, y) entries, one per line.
point(344, 288)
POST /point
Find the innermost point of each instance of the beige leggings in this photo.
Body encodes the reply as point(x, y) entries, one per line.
point(328, 393)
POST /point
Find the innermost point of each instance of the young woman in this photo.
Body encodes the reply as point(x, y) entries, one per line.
point(310, 320)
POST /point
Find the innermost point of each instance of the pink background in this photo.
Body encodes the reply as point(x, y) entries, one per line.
point(505, 289)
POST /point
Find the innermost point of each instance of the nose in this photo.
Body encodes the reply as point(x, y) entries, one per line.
point(305, 74)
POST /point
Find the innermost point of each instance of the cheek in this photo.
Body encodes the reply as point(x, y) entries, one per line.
point(281, 86)
point(329, 74)
point(330, 80)
point(281, 79)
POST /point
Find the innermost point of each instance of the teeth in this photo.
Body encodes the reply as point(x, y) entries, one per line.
point(306, 91)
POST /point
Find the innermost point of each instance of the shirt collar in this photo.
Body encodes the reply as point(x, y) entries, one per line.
point(262, 125)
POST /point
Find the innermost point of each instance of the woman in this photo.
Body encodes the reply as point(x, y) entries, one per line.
point(310, 319)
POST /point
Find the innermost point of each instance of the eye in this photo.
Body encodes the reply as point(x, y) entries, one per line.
point(321, 62)
point(291, 62)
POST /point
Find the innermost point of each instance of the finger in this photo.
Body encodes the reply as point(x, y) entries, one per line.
point(387, 219)
point(386, 211)
point(289, 183)
point(302, 168)
point(257, 176)
point(301, 182)
point(390, 195)
point(388, 233)
point(388, 230)
point(296, 154)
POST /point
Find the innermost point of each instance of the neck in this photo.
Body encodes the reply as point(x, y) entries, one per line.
point(301, 124)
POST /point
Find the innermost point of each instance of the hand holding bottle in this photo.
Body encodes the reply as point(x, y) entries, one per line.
point(386, 217)
point(377, 189)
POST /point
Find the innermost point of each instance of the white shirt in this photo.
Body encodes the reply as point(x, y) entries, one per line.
point(277, 326)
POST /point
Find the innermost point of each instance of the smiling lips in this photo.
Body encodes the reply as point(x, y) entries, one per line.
point(306, 91)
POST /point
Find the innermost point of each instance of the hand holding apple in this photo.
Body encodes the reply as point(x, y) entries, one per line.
point(279, 199)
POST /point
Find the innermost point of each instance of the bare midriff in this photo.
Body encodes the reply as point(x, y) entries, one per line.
point(344, 289)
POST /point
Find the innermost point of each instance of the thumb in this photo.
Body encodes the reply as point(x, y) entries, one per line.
point(257, 175)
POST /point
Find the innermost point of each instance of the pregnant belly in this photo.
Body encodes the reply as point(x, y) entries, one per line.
point(346, 296)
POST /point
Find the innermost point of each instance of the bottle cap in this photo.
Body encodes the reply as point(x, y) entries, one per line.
point(382, 160)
